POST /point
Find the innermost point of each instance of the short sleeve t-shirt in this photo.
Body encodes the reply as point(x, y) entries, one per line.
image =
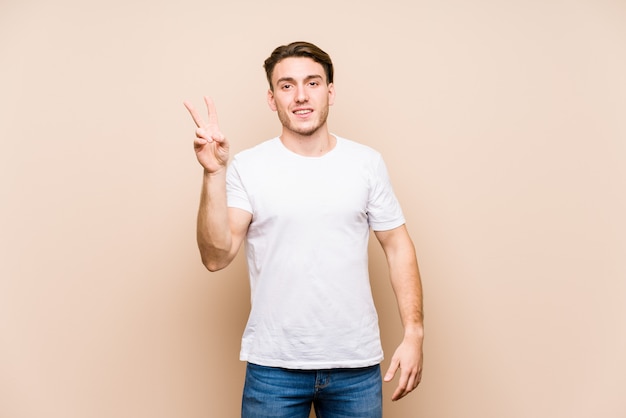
point(306, 247)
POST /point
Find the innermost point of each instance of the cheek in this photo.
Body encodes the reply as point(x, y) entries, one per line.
point(281, 105)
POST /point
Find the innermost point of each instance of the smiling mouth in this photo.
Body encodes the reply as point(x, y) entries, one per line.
point(303, 112)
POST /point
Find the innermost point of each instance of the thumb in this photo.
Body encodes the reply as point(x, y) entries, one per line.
point(391, 371)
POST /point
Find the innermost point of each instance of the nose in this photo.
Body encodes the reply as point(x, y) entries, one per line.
point(301, 95)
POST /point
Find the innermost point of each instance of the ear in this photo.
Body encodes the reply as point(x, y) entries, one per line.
point(331, 94)
point(270, 100)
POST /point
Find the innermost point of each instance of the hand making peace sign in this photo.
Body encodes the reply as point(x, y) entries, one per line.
point(210, 145)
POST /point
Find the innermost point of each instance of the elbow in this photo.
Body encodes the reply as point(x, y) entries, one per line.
point(213, 262)
point(213, 266)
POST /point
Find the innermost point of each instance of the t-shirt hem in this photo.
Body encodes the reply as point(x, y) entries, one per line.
point(339, 364)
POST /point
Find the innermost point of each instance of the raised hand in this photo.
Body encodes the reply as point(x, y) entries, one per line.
point(210, 144)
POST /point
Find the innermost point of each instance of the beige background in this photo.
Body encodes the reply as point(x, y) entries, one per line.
point(503, 124)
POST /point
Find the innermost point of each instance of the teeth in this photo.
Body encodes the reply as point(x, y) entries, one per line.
point(301, 112)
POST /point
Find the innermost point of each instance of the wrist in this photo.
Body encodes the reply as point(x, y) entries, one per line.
point(211, 174)
point(414, 332)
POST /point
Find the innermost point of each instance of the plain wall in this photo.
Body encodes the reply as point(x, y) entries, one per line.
point(503, 124)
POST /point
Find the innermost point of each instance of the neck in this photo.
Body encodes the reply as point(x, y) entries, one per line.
point(315, 145)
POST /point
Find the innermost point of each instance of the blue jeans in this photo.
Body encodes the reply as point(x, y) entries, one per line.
point(334, 393)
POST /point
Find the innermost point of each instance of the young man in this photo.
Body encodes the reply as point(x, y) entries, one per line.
point(304, 203)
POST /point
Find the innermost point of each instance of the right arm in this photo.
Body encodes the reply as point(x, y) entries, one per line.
point(220, 230)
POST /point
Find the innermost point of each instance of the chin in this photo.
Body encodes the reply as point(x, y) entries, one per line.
point(299, 128)
point(306, 132)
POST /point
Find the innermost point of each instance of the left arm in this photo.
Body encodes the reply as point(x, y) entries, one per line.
point(407, 286)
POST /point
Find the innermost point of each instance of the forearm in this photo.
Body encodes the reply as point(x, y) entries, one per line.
point(408, 290)
point(213, 233)
point(407, 286)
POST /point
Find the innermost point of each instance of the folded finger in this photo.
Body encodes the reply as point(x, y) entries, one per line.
point(199, 142)
point(218, 137)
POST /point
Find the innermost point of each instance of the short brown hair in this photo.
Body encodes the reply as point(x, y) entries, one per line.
point(298, 49)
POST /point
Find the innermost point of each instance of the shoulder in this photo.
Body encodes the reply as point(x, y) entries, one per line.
point(354, 145)
point(259, 151)
point(357, 151)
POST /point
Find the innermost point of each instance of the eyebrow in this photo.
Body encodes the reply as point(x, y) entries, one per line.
point(291, 79)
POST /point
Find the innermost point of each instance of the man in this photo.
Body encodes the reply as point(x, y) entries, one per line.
point(304, 203)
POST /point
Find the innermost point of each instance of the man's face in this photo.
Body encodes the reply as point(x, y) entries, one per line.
point(301, 95)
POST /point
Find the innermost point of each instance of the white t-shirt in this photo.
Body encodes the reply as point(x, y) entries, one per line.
point(306, 246)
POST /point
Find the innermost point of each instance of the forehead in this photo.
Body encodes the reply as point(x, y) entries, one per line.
point(297, 68)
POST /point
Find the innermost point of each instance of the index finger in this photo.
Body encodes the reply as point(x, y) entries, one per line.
point(194, 114)
point(403, 387)
point(407, 383)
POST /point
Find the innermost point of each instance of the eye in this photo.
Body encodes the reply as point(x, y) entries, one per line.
point(286, 86)
point(314, 83)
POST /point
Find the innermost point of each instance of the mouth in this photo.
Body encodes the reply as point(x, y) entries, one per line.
point(302, 112)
